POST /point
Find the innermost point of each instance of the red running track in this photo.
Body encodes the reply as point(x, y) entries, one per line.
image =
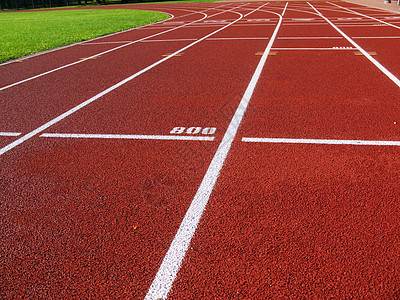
point(259, 161)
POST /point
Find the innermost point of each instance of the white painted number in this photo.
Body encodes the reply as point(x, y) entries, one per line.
point(193, 130)
point(177, 130)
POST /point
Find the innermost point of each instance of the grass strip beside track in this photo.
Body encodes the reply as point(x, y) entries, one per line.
point(25, 33)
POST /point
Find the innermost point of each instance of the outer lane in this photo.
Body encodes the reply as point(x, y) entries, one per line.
point(57, 92)
point(305, 221)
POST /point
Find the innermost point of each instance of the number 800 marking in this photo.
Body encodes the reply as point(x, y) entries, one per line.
point(193, 130)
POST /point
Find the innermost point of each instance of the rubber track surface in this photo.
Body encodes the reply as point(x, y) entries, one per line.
point(306, 204)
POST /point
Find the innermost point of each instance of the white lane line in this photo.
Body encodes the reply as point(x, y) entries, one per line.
point(364, 25)
point(303, 24)
point(348, 18)
point(309, 37)
point(321, 141)
point(110, 89)
point(168, 40)
point(376, 37)
point(317, 49)
point(127, 136)
point(365, 16)
point(303, 19)
point(10, 133)
point(105, 52)
point(253, 11)
point(239, 38)
point(105, 43)
point(366, 54)
point(171, 263)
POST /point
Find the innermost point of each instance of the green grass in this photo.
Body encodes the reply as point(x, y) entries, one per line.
point(25, 33)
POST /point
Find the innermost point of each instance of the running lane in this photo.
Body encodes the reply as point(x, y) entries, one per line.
point(297, 212)
point(378, 32)
point(81, 53)
point(93, 216)
point(30, 104)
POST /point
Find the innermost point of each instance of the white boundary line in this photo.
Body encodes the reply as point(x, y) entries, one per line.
point(171, 263)
point(128, 136)
point(110, 89)
point(168, 40)
point(105, 43)
point(10, 133)
point(321, 141)
point(376, 37)
point(366, 54)
point(210, 39)
point(363, 25)
point(317, 49)
point(239, 38)
point(309, 37)
point(83, 42)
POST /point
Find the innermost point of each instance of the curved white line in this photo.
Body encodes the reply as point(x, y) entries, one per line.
point(110, 50)
point(97, 55)
point(99, 95)
point(111, 34)
point(86, 41)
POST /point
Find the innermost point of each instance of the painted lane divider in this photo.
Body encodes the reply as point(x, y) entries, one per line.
point(169, 40)
point(172, 261)
point(303, 19)
point(321, 141)
point(10, 133)
point(309, 37)
point(127, 136)
point(308, 49)
point(349, 19)
point(106, 91)
point(237, 38)
point(257, 20)
point(218, 22)
point(376, 37)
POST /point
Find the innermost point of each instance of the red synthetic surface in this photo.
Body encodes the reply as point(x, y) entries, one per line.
point(308, 222)
point(94, 218)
